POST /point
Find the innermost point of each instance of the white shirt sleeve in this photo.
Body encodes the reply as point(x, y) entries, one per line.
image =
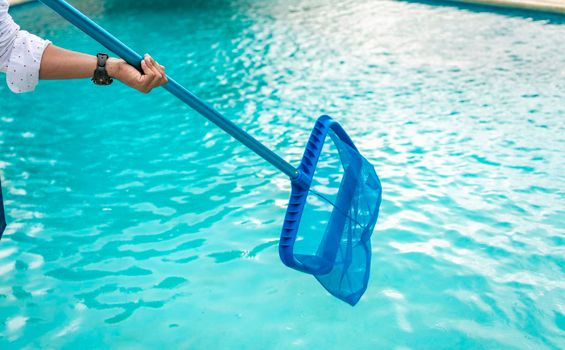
point(20, 53)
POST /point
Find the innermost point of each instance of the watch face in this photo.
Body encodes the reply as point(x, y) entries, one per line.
point(101, 77)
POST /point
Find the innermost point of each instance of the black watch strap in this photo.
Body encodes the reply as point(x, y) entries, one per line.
point(100, 76)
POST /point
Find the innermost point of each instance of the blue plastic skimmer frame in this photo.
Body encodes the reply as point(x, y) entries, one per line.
point(342, 261)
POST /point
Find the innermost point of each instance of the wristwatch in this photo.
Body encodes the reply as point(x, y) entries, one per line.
point(100, 76)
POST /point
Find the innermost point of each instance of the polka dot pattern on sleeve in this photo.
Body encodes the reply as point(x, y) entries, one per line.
point(22, 73)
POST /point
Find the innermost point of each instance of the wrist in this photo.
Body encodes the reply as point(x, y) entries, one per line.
point(113, 67)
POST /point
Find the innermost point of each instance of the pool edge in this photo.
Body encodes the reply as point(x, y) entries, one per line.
point(529, 5)
point(14, 3)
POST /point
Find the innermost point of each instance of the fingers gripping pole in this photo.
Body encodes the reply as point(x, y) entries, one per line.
point(102, 36)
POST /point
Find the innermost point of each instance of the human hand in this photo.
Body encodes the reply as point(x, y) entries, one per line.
point(152, 77)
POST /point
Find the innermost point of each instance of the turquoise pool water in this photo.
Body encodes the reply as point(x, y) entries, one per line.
point(134, 224)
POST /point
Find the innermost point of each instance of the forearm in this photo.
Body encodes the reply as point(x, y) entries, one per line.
point(59, 63)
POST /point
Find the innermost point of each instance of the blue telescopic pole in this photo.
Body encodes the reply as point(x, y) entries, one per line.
point(99, 34)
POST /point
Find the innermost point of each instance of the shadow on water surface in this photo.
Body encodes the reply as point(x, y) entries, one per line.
point(200, 5)
point(551, 18)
